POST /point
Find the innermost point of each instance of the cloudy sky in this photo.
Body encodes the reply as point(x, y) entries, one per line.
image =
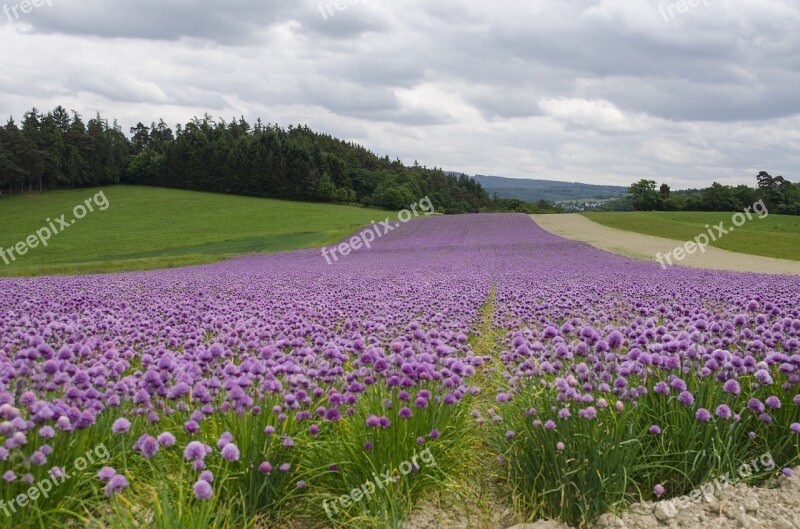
point(600, 91)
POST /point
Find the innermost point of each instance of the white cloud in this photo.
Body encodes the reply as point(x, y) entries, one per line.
point(592, 90)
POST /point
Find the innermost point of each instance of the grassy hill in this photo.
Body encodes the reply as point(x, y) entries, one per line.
point(773, 236)
point(147, 228)
point(549, 190)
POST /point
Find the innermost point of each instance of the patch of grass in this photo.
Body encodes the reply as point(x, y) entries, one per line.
point(365, 477)
point(145, 228)
point(574, 467)
point(773, 236)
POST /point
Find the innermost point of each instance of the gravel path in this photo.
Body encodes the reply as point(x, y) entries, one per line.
point(776, 506)
point(646, 247)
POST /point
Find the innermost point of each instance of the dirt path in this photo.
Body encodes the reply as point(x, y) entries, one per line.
point(646, 247)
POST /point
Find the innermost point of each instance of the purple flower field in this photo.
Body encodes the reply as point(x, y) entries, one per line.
point(263, 386)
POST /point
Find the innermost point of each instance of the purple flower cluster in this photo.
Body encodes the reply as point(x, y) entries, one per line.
point(595, 326)
point(220, 338)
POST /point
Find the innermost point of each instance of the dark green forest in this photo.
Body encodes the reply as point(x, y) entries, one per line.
point(59, 150)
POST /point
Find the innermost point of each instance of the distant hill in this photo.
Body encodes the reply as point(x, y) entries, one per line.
point(549, 190)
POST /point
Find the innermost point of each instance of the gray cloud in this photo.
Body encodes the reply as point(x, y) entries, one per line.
point(592, 90)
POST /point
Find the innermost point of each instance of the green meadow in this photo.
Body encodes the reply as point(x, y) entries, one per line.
point(145, 228)
point(771, 236)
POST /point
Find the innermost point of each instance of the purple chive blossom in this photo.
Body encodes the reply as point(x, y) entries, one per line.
point(763, 377)
point(795, 427)
point(661, 388)
point(755, 405)
point(686, 398)
point(230, 452)
point(788, 472)
point(333, 415)
point(549, 425)
point(373, 421)
point(195, 450)
point(703, 415)
point(202, 490)
point(773, 402)
point(560, 446)
point(147, 446)
point(368, 446)
point(106, 473)
point(659, 490)
point(405, 413)
point(47, 432)
point(166, 439)
point(115, 485)
point(655, 429)
point(723, 411)
point(732, 387)
point(206, 475)
point(265, 467)
point(285, 467)
point(121, 425)
point(224, 439)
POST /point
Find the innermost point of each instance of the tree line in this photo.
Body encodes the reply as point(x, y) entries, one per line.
point(59, 150)
point(778, 194)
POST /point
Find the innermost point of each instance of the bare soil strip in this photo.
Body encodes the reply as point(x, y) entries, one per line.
point(645, 247)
